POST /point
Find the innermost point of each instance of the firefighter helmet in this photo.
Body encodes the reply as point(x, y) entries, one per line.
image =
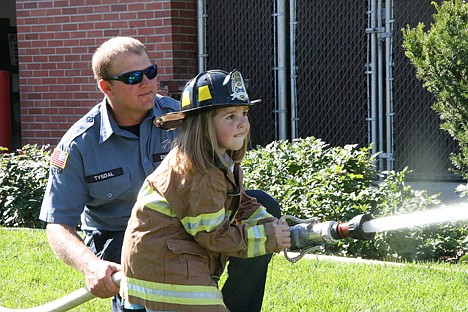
point(208, 90)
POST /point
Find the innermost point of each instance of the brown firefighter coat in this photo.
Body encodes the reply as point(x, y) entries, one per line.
point(182, 230)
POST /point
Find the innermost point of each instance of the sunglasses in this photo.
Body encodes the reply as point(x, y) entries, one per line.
point(136, 76)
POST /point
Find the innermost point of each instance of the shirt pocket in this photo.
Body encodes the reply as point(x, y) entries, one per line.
point(110, 189)
point(190, 261)
point(179, 244)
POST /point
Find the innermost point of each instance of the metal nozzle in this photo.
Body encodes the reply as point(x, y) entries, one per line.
point(312, 234)
point(309, 234)
point(353, 228)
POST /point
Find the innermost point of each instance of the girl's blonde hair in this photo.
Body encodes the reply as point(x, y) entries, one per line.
point(197, 145)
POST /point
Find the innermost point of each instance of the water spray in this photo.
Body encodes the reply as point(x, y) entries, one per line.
point(311, 234)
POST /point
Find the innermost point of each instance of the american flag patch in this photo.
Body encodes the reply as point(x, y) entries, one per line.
point(59, 158)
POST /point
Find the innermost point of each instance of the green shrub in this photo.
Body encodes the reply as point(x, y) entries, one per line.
point(307, 177)
point(311, 179)
point(23, 179)
point(440, 56)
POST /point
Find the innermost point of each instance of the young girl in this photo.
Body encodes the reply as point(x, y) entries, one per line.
point(192, 212)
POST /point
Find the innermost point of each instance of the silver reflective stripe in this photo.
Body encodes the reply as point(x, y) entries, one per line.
point(151, 199)
point(258, 215)
point(175, 294)
point(256, 239)
point(205, 222)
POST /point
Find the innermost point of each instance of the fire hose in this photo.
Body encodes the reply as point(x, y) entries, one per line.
point(305, 236)
point(67, 302)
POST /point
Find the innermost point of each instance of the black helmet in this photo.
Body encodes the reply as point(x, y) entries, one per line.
point(209, 90)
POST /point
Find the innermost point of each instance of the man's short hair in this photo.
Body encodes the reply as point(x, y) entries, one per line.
point(111, 49)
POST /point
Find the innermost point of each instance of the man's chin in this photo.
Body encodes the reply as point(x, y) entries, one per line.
point(147, 105)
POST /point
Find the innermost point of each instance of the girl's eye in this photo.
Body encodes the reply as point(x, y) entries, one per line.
point(246, 113)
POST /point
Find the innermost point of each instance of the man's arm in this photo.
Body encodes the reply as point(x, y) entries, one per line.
point(69, 247)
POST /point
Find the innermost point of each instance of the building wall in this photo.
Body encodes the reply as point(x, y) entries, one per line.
point(56, 40)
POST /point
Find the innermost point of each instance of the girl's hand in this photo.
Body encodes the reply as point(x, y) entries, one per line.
point(282, 235)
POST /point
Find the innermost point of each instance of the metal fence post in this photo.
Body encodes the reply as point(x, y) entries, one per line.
point(281, 68)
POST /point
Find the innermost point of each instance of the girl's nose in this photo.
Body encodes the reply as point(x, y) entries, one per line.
point(244, 122)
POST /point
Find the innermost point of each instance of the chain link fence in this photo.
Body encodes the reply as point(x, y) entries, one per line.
point(332, 87)
point(240, 35)
point(419, 142)
point(331, 80)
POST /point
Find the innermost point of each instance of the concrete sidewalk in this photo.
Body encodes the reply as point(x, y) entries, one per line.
point(341, 259)
point(445, 189)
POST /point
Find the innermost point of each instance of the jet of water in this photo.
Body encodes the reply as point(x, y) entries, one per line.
point(431, 216)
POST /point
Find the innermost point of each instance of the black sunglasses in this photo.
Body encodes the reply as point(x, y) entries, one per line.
point(135, 77)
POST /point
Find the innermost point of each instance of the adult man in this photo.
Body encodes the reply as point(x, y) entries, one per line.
point(101, 162)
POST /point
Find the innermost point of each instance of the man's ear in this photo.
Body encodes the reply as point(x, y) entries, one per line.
point(105, 86)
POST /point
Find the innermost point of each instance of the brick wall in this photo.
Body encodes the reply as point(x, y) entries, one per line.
point(56, 40)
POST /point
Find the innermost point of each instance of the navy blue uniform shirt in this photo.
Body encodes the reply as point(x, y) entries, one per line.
point(97, 169)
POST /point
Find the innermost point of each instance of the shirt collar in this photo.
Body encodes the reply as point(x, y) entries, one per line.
point(108, 124)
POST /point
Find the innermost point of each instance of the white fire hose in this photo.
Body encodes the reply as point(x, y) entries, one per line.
point(67, 302)
point(304, 236)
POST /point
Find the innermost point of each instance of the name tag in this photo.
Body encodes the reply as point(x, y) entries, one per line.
point(159, 157)
point(104, 175)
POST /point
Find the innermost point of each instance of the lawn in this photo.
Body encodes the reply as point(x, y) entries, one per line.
point(31, 275)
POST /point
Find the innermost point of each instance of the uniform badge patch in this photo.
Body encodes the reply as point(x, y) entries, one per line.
point(59, 158)
point(238, 87)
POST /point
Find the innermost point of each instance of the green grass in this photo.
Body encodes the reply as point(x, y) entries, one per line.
point(324, 285)
point(31, 275)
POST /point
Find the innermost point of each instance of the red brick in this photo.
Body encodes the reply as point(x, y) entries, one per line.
point(56, 37)
point(153, 6)
point(59, 20)
point(101, 9)
point(42, 118)
point(39, 12)
point(70, 11)
point(43, 134)
point(29, 5)
point(45, 4)
point(61, 4)
point(58, 118)
point(136, 7)
point(118, 8)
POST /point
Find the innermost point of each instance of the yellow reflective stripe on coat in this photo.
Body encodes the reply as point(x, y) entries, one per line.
point(171, 293)
point(154, 201)
point(259, 214)
point(256, 239)
point(205, 222)
point(145, 190)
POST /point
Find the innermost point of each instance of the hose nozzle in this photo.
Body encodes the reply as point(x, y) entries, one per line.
point(353, 228)
point(310, 233)
point(305, 235)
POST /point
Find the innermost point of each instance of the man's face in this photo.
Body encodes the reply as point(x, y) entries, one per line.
point(130, 103)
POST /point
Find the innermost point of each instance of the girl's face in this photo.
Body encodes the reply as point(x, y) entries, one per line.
point(232, 127)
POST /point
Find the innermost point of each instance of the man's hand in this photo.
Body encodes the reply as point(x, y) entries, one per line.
point(99, 278)
point(69, 247)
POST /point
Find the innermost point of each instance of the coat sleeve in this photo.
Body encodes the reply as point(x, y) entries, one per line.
point(252, 212)
point(201, 210)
